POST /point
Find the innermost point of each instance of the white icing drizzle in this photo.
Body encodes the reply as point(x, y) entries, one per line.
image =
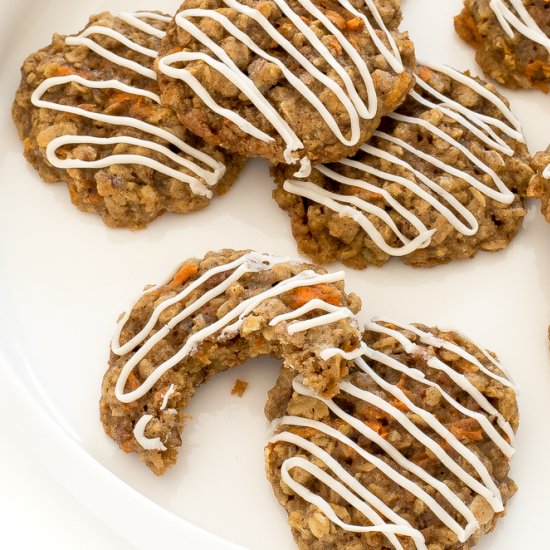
point(521, 20)
point(343, 483)
point(167, 395)
point(546, 172)
point(334, 314)
point(339, 203)
point(345, 91)
point(456, 214)
point(227, 326)
point(512, 129)
point(199, 175)
point(150, 444)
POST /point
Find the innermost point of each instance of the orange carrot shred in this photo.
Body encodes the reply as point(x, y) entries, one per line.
point(121, 97)
point(127, 446)
point(133, 382)
point(355, 24)
point(303, 295)
point(378, 428)
point(466, 429)
point(399, 405)
point(185, 272)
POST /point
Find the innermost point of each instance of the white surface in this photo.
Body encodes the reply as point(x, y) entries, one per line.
point(36, 512)
point(64, 278)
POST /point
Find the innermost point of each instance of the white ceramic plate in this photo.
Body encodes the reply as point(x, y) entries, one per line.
point(64, 278)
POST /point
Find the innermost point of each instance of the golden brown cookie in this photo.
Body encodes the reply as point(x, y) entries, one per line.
point(212, 315)
point(88, 111)
point(413, 453)
point(441, 179)
point(289, 80)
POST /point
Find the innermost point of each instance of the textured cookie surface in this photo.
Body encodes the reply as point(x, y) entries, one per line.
point(289, 80)
point(413, 453)
point(511, 38)
point(539, 187)
point(89, 113)
point(214, 314)
point(440, 179)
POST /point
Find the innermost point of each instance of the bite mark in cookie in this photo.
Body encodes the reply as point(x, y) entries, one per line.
point(213, 315)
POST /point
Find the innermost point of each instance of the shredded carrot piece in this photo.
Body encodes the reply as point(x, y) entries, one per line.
point(466, 429)
point(355, 24)
point(186, 271)
point(65, 70)
point(399, 405)
point(140, 109)
point(444, 445)
point(336, 45)
point(133, 382)
point(536, 71)
point(87, 106)
point(304, 294)
point(378, 428)
point(120, 98)
point(127, 446)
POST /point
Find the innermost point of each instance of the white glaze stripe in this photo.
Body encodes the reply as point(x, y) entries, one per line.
point(419, 376)
point(251, 262)
point(346, 92)
point(513, 129)
point(403, 462)
point(524, 24)
point(196, 185)
point(167, 395)
point(365, 506)
point(334, 201)
point(83, 40)
point(430, 339)
point(458, 378)
point(487, 488)
point(150, 444)
point(546, 172)
point(133, 19)
point(469, 228)
point(334, 314)
point(457, 214)
point(503, 194)
point(389, 471)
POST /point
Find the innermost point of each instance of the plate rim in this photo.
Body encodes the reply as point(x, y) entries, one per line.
point(110, 499)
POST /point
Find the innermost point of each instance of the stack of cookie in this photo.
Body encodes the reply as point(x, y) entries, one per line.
point(395, 437)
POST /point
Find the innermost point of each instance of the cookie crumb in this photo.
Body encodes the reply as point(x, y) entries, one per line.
point(239, 388)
